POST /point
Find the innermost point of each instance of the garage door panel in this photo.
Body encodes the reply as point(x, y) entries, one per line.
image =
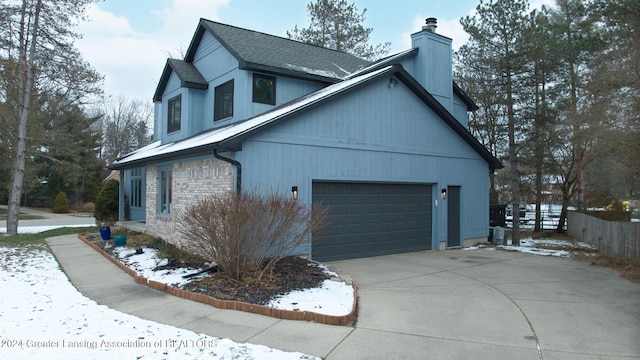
point(372, 219)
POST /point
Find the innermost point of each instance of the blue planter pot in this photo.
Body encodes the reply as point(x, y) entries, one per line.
point(105, 233)
point(120, 240)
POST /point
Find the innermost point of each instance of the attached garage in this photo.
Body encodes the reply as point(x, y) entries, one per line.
point(371, 219)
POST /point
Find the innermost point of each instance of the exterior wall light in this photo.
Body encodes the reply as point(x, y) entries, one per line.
point(443, 193)
point(392, 82)
point(294, 192)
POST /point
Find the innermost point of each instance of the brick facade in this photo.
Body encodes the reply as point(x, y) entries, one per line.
point(191, 181)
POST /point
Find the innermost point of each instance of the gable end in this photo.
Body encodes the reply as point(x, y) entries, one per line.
point(446, 116)
point(189, 77)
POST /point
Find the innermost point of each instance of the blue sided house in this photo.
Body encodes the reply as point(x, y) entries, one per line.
point(384, 145)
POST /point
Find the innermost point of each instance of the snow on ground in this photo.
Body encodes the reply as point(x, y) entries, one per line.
point(45, 317)
point(528, 245)
point(38, 229)
point(331, 298)
point(144, 263)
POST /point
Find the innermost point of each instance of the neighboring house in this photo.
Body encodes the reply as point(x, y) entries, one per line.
point(380, 144)
point(113, 175)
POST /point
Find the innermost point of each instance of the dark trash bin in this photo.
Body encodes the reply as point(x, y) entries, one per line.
point(498, 215)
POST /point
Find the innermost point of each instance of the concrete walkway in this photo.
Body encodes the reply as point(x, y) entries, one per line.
point(453, 304)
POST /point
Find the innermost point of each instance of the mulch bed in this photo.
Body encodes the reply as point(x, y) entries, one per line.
point(290, 273)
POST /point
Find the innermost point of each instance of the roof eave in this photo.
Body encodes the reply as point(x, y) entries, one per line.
point(193, 85)
point(471, 105)
point(186, 153)
point(164, 78)
point(288, 73)
point(195, 41)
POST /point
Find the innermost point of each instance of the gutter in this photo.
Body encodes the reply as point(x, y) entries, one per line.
point(236, 164)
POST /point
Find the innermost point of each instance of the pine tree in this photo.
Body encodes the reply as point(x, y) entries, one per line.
point(580, 116)
point(37, 56)
point(336, 24)
point(497, 31)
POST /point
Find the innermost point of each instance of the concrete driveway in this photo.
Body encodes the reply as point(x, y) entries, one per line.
point(489, 304)
point(454, 304)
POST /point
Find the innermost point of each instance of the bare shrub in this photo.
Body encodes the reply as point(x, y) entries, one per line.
point(246, 234)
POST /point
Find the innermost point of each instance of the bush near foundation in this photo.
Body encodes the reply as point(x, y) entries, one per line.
point(247, 234)
point(106, 206)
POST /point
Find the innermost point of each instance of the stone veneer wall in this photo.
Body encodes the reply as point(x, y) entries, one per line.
point(191, 181)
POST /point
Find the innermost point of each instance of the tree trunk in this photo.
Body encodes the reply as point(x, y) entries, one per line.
point(513, 161)
point(26, 75)
point(563, 212)
point(537, 226)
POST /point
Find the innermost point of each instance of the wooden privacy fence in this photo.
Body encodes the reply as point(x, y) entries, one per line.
point(611, 238)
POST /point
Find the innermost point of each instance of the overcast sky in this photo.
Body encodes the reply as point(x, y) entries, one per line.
point(128, 41)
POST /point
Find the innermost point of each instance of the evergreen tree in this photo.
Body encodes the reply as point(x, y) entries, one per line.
point(580, 116)
point(336, 24)
point(616, 79)
point(543, 63)
point(497, 32)
point(107, 202)
point(61, 203)
point(68, 159)
point(37, 56)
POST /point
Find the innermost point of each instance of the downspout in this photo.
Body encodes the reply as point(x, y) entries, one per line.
point(236, 164)
point(121, 195)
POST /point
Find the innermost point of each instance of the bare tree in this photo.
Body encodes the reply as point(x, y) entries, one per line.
point(125, 126)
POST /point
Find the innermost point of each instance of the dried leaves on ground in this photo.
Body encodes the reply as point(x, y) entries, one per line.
point(628, 268)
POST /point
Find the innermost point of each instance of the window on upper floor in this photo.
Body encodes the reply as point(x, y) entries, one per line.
point(264, 89)
point(174, 114)
point(223, 106)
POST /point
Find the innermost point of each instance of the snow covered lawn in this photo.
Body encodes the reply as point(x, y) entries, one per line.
point(548, 247)
point(45, 317)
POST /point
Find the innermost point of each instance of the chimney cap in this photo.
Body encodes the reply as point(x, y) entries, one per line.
point(430, 24)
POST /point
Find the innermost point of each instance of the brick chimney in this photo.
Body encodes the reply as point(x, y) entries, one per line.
point(433, 66)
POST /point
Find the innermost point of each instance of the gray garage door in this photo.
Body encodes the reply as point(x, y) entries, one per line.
point(367, 219)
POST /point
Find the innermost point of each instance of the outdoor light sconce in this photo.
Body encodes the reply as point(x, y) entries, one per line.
point(294, 192)
point(443, 193)
point(392, 82)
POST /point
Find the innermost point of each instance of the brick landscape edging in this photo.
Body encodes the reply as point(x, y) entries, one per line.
point(231, 304)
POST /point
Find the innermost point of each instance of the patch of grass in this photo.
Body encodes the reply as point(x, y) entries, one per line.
point(627, 268)
point(21, 216)
point(30, 239)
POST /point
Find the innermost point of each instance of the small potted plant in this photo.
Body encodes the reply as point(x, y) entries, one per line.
point(106, 208)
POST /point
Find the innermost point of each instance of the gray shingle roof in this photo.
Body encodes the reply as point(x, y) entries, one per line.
point(189, 77)
point(258, 51)
point(188, 74)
